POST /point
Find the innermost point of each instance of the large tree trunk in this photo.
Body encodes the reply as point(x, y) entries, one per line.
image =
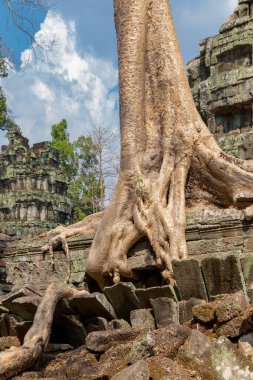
point(165, 148)
point(169, 158)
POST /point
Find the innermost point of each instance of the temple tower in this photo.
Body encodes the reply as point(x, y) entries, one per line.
point(221, 79)
point(33, 190)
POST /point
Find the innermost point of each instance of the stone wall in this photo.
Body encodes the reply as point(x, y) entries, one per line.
point(220, 259)
point(33, 190)
point(221, 79)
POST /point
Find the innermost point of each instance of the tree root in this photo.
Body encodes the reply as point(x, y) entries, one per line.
point(17, 359)
point(59, 236)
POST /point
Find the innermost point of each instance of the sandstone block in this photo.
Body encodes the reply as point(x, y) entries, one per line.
point(74, 330)
point(231, 306)
point(165, 311)
point(185, 309)
point(8, 342)
point(237, 326)
point(118, 324)
point(137, 371)
point(189, 279)
point(96, 324)
point(169, 339)
point(228, 363)
point(101, 341)
point(145, 295)
point(123, 298)
point(204, 312)
point(95, 305)
point(222, 275)
point(165, 368)
point(142, 319)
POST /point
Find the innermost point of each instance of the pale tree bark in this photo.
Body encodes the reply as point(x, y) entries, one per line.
point(169, 159)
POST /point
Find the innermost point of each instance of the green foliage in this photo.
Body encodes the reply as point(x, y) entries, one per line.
point(60, 141)
point(5, 120)
point(84, 189)
point(80, 164)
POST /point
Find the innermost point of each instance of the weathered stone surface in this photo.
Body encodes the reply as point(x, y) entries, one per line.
point(122, 297)
point(185, 309)
point(245, 345)
point(194, 354)
point(237, 326)
point(167, 369)
point(145, 295)
point(189, 279)
point(95, 305)
point(142, 319)
point(222, 275)
point(169, 339)
point(103, 340)
point(137, 371)
point(118, 324)
point(25, 307)
point(231, 306)
point(8, 342)
point(142, 346)
point(228, 363)
point(33, 189)
point(165, 311)
point(205, 312)
point(68, 366)
point(74, 330)
point(96, 324)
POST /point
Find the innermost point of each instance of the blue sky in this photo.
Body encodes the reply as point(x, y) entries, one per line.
point(81, 84)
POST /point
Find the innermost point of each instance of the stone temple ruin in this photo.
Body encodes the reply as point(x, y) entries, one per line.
point(221, 79)
point(214, 293)
point(33, 190)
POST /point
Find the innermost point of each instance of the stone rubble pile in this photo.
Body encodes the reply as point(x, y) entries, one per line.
point(128, 333)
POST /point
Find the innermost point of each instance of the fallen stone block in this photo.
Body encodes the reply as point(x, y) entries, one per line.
point(165, 311)
point(165, 368)
point(228, 362)
point(204, 312)
point(118, 324)
point(222, 275)
point(74, 330)
point(7, 300)
point(8, 342)
point(145, 295)
point(25, 307)
point(231, 306)
point(96, 324)
point(123, 298)
point(94, 305)
point(137, 371)
point(194, 354)
point(245, 345)
point(237, 326)
point(169, 339)
point(185, 309)
point(142, 319)
point(8, 323)
point(101, 341)
point(142, 347)
point(189, 279)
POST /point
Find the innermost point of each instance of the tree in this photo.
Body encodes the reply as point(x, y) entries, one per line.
point(23, 15)
point(169, 161)
point(60, 142)
point(106, 147)
point(6, 123)
point(84, 188)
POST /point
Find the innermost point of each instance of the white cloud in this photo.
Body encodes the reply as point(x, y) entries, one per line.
point(76, 86)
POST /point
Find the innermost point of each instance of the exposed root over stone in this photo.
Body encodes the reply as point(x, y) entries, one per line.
point(170, 161)
point(18, 359)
